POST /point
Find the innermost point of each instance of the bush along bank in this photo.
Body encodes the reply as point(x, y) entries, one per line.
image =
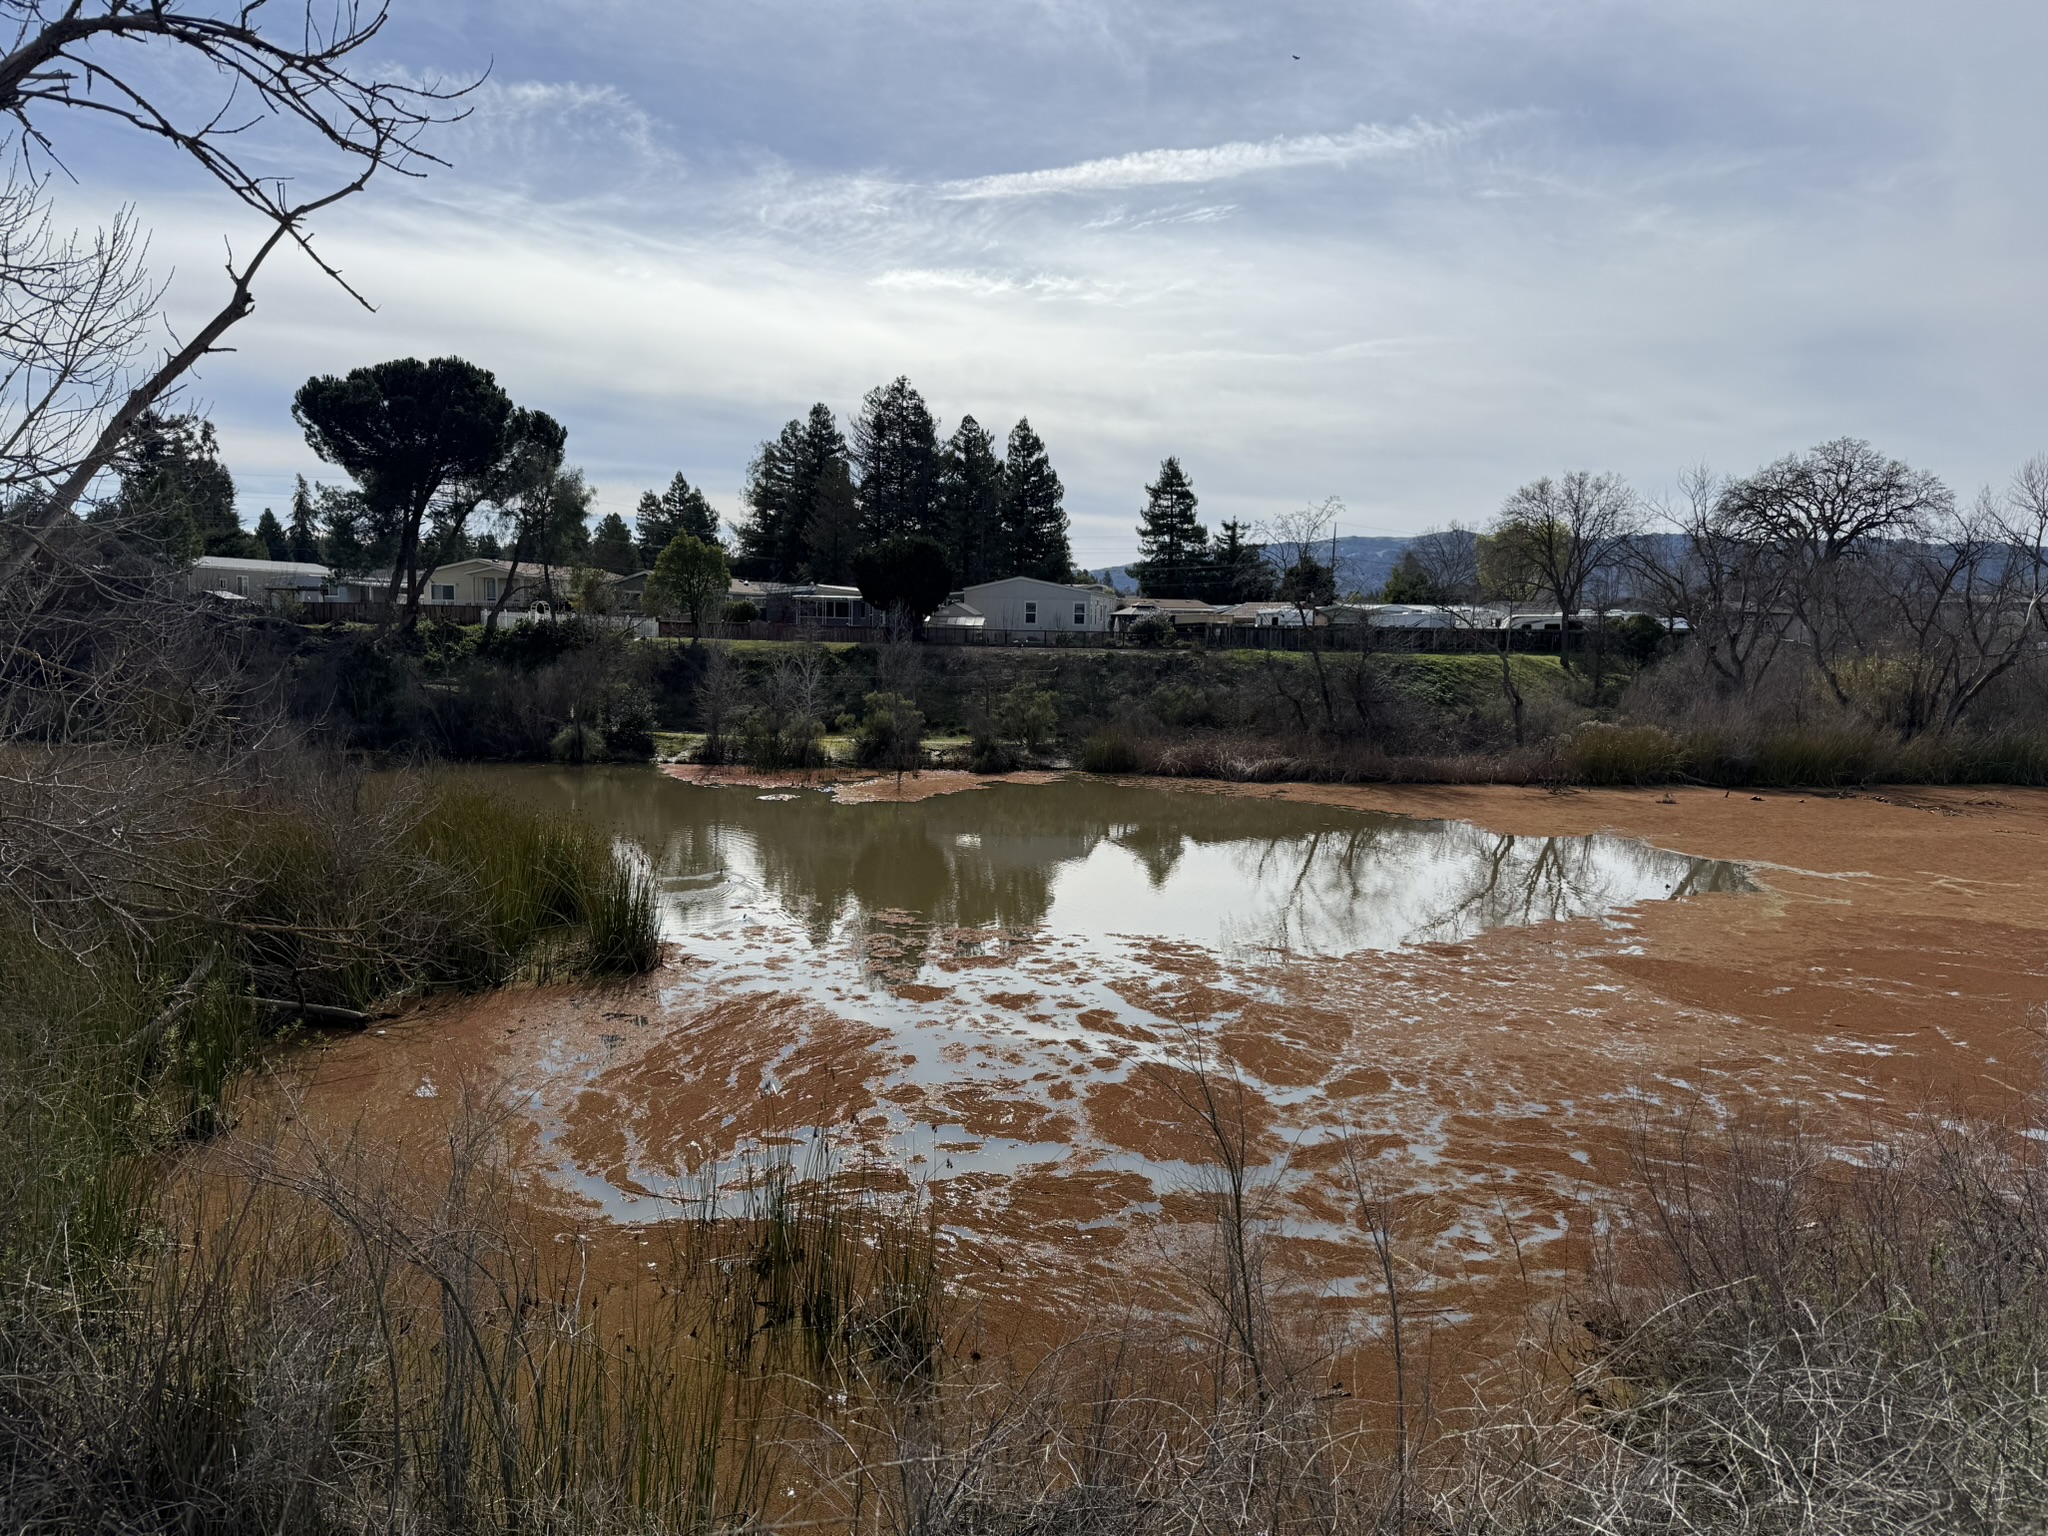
point(577, 693)
point(139, 981)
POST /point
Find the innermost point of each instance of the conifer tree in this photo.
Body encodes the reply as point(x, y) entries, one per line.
point(896, 450)
point(1173, 546)
point(1034, 513)
point(611, 546)
point(176, 496)
point(305, 529)
point(782, 493)
point(1239, 571)
point(679, 509)
point(832, 536)
point(971, 505)
point(270, 534)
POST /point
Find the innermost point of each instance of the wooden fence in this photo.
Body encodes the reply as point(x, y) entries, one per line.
point(1343, 637)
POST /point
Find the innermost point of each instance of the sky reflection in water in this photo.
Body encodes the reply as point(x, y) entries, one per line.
point(1245, 876)
point(1062, 886)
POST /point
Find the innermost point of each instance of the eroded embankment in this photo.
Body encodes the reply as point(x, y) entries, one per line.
point(1040, 1085)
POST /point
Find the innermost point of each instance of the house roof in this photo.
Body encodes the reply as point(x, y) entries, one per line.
point(235, 565)
point(1167, 605)
point(1037, 581)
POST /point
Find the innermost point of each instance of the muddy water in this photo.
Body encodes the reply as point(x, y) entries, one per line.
point(1091, 861)
point(988, 992)
point(999, 995)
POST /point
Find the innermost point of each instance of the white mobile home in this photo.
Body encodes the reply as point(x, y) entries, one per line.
point(1025, 603)
point(260, 581)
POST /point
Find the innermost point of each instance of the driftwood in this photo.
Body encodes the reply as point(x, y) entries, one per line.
point(315, 1013)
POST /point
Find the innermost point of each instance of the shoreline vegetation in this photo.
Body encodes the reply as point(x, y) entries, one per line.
point(213, 1318)
point(226, 830)
point(574, 694)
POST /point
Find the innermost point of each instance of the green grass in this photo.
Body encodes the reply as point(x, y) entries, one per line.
point(130, 1033)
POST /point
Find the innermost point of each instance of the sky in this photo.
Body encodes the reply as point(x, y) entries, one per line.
point(1407, 253)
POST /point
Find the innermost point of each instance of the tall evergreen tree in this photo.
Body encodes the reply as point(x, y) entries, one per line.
point(832, 538)
point(1239, 571)
point(679, 509)
point(611, 546)
point(1172, 544)
point(271, 535)
point(305, 530)
point(1034, 512)
point(782, 493)
point(971, 505)
point(896, 450)
point(176, 498)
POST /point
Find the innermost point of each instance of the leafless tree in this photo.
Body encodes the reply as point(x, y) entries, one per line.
point(1833, 498)
point(720, 691)
point(1303, 543)
point(75, 311)
point(1448, 559)
point(1726, 585)
point(1819, 514)
point(1565, 533)
point(1959, 607)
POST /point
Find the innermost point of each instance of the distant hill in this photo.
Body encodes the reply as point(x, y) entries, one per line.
point(1362, 565)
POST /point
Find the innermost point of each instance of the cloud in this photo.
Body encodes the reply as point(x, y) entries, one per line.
point(988, 284)
point(1457, 245)
point(1218, 162)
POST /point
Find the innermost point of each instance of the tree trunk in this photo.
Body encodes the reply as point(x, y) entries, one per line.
point(512, 575)
point(1507, 683)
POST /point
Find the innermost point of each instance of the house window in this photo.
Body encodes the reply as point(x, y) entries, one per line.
point(490, 589)
point(1080, 614)
point(1031, 613)
point(436, 593)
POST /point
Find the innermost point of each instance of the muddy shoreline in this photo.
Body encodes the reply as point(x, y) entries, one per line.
point(1891, 958)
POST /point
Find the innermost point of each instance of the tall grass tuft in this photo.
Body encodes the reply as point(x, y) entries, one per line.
point(133, 995)
point(1113, 750)
point(1622, 754)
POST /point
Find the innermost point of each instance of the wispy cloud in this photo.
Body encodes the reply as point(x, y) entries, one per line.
point(983, 284)
point(1619, 236)
point(1217, 162)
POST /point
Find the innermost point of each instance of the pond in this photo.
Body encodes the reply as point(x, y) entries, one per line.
point(1004, 984)
point(1091, 862)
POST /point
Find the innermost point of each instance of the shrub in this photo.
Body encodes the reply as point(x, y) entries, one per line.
point(1111, 751)
point(741, 612)
point(1817, 757)
point(1029, 715)
point(770, 742)
point(1153, 631)
point(578, 742)
point(891, 734)
point(1622, 754)
point(1179, 704)
point(1024, 719)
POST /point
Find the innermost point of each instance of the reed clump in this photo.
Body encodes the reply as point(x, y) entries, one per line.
point(142, 970)
point(346, 1338)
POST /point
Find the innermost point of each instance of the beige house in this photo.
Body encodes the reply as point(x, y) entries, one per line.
point(1180, 612)
point(479, 582)
point(1026, 603)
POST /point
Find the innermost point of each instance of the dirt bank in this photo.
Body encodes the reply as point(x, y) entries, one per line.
point(1893, 954)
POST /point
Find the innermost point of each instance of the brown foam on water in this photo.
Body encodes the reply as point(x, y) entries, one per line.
point(1895, 952)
